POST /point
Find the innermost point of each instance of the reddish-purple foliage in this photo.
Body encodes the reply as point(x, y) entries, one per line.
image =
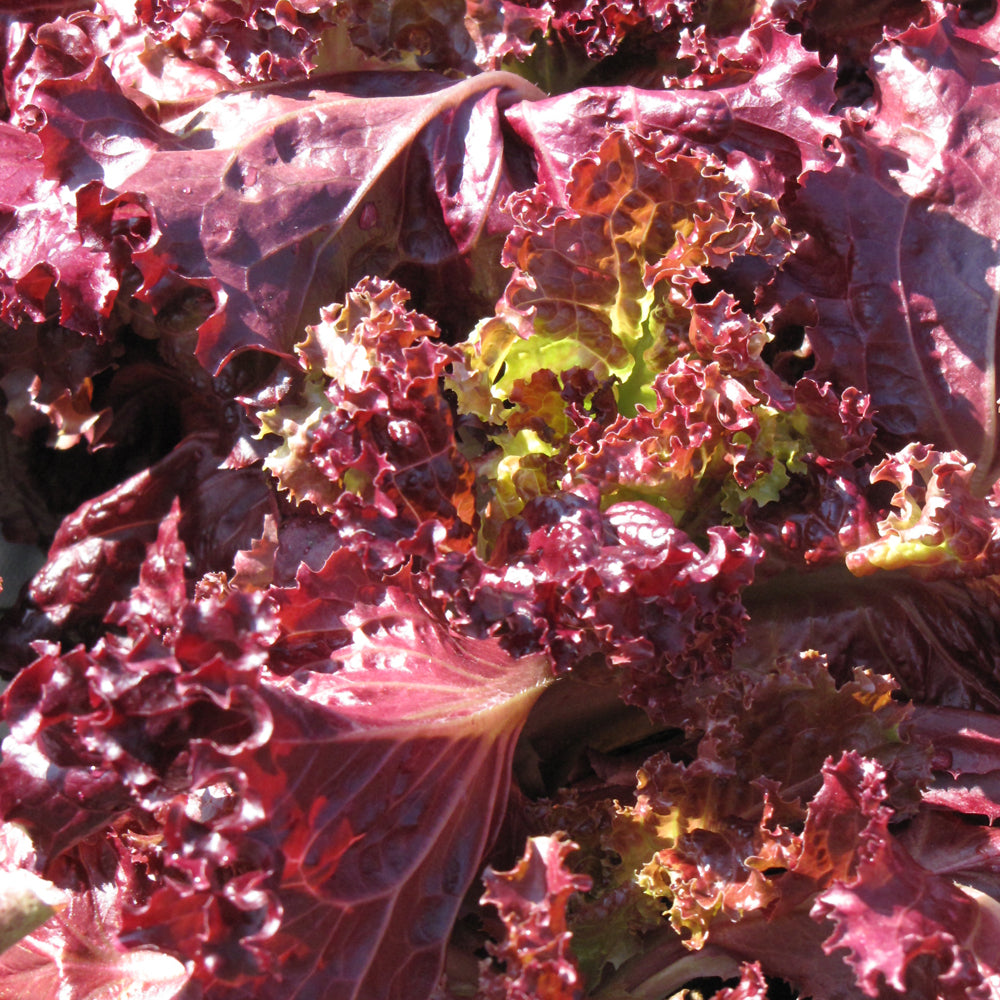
point(516, 493)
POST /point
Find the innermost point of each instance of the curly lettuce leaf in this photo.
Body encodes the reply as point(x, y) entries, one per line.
point(623, 587)
point(167, 58)
point(704, 872)
point(369, 418)
point(606, 366)
point(907, 933)
point(939, 525)
point(77, 951)
point(601, 281)
point(896, 280)
point(98, 550)
point(73, 242)
point(240, 204)
point(602, 286)
point(428, 34)
point(563, 44)
point(718, 446)
point(748, 848)
point(531, 900)
point(850, 31)
point(292, 773)
point(745, 123)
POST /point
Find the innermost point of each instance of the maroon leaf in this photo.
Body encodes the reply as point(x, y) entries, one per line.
point(531, 900)
point(278, 203)
point(57, 239)
point(910, 934)
point(76, 952)
point(299, 820)
point(369, 418)
point(96, 555)
point(899, 267)
point(751, 123)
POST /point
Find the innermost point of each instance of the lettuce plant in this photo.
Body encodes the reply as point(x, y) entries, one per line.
point(516, 493)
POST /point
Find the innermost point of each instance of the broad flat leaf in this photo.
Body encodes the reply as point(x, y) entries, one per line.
point(898, 275)
point(278, 200)
point(938, 639)
point(944, 842)
point(966, 762)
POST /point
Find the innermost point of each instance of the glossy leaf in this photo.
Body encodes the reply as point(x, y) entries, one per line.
point(899, 266)
point(370, 419)
point(519, 490)
point(306, 816)
point(531, 899)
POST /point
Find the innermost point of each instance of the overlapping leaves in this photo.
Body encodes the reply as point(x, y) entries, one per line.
point(899, 267)
point(294, 819)
point(370, 419)
point(732, 338)
point(598, 306)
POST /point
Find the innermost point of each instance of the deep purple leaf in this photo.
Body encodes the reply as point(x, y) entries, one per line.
point(775, 125)
point(361, 389)
point(937, 638)
point(898, 270)
point(279, 203)
point(297, 820)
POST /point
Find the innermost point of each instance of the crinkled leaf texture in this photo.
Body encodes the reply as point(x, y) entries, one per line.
point(624, 586)
point(531, 899)
point(267, 719)
point(96, 554)
point(370, 418)
point(740, 885)
point(77, 953)
point(74, 241)
point(898, 276)
point(939, 525)
point(908, 931)
point(276, 201)
point(748, 123)
point(308, 780)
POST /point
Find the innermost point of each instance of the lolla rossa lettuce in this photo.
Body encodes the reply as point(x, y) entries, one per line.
point(518, 492)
